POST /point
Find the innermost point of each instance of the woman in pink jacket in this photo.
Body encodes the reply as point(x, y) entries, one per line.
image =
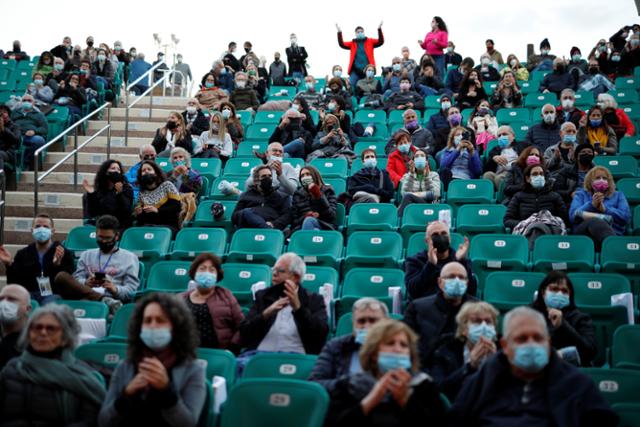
point(435, 42)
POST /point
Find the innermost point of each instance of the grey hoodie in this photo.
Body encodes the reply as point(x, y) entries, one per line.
point(122, 268)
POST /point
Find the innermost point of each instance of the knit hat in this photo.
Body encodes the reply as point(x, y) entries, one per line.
point(575, 50)
point(545, 43)
point(580, 148)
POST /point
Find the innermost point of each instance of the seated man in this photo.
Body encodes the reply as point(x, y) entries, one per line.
point(285, 317)
point(420, 137)
point(428, 82)
point(422, 270)
point(570, 178)
point(285, 176)
point(546, 133)
point(107, 273)
point(147, 152)
point(15, 307)
point(486, 70)
point(567, 110)
point(340, 356)
point(262, 205)
point(405, 99)
point(392, 80)
point(195, 119)
point(370, 184)
point(435, 315)
point(455, 75)
point(559, 155)
point(596, 81)
point(9, 137)
point(244, 97)
point(310, 94)
point(528, 384)
point(33, 125)
point(35, 266)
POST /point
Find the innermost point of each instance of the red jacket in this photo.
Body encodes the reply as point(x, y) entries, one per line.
point(397, 165)
point(625, 126)
point(369, 45)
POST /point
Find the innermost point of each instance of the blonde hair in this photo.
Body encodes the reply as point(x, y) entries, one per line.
point(591, 176)
point(222, 126)
point(452, 135)
point(181, 124)
point(468, 309)
point(380, 332)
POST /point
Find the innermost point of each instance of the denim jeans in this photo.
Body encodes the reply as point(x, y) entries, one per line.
point(311, 223)
point(295, 148)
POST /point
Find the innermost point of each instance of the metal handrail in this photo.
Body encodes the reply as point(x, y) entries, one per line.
point(146, 74)
point(3, 204)
point(149, 91)
point(173, 84)
point(74, 127)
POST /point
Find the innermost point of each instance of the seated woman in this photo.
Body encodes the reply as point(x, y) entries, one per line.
point(71, 95)
point(441, 136)
point(173, 134)
point(336, 71)
point(369, 89)
point(460, 159)
point(232, 122)
point(615, 117)
point(47, 385)
point(370, 184)
point(42, 94)
point(514, 66)
point(390, 390)
point(158, 199)
point(598, 210)
point(44, 65)
point(215, 310)
point(400, 158)
point(160, 383)
point(209, 94)
point(195, 119)
point(262, 206)
point(457, 356)
point(111, 194)
point(536, 209)
point(471, 90)
point(314, 203)
point(215, 142)
point(337, 107)
point(568, 326)
point(420, 184)
point(507, 94)
point(185, 179)
point(291, 133)
point(502, 157)
point(302, 106)
point(331, 142)
point(595, 130)
point(334, 89)
point(515, 178)
point(484, 124)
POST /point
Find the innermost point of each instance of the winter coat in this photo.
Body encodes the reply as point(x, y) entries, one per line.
point(574, 116)
point(437, 121)
point(427, 186)
point(397, 164)
point(403, 98)
point(26, 267)
point(325, 206)
point(565, 181)
point(273, 207)
point(109, 202)
point(446, 365)
point(611, 148)
point(373, 181)
point(421, 277)
point(474, 164)
point(160, 142)
point(530, 201)
point(369, 45)
point(199, 124)
point(334, 361)
point(615, 205)
point(491, 166)
point(31, 120)
point(542, 135)
point(244, 98)
point(297, 58)
point(435, 42)
point(420, 138)
point(557, 82)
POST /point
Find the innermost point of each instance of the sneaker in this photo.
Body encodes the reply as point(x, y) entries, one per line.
point(113, 304)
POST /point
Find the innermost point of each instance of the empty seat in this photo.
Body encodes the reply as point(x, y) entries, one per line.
point(237, 181)
point(241, 167)
point(620, 166)
point(466, 191)
point(510, 289)
point(625, 96)
point(372, 216)
point(372, 282)
point(339, 185)
point(204, 217)
point(616, 385)
point(267, 117)
point(624, 353)
point(207, 167)
point(571, 253)
point(256, 245)
point(147, 243)
point(246, 117)
point(378, 117)
point(491, 252)
point(80, 239)
point(118, 331)
point(316, 277)
point(630, 145)
point(168, 276)
point(319, 247)
point(379, 248)
point(584, 98)
point(280, 365)
point(417, 216)
point(331, 168)
point(533, 100)
point(481, 218)
point(630, 187)
point(246, 148)
point(218, 362)
point(239, 278)
point(260, 132)
point(165, 164)
point(506, 116)
point(627, 83)
point(193, 241)
point(102, 354)
point(378, 147)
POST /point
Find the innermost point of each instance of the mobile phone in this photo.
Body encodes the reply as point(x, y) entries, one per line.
point(99, 276)
point(466, 136)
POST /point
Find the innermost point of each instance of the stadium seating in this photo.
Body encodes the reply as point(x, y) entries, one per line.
point(193, 241)
point(279, 365)
point(372, 216)
point(616, 385)
point(417, 215)
point(366, 248)
point(331, 168)
point(492, 252)
point(621, 166)
point(321, 247)
point(259, 245)
point(571, 253)
point(168, 276)
point(507, 289)
point(480, 218)
point(147, 243)
point(624, 353)
point(80, 239)
point(239, 278)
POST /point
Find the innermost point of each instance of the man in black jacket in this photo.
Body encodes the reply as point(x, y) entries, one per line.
point(527, 383)
point(432, 316)
point(15, 307)
point(35, 265)
point(423, 270)
point(194, 118)
point(9, 137)
point(286, 317)
point(297, 59)
point(570, 178)
point(339, 357)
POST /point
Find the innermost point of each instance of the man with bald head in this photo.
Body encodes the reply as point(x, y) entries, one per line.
point(435, 315)
point(526, 383)
point(15, 306)
point(546, 133)
point(423, 269)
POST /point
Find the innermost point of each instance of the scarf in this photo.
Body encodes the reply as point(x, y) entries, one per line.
point(64, 374)
point(598, 134)
point(159, 195)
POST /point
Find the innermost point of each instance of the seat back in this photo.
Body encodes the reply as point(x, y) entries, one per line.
point(331, 168)
point(147, 241)
point(630, 187)
point(118, 330)
point(316, 277)
point(616, 385)
point(372, 216)
point(383, 248)
point(193, 241)
point(481, 218)
point(258, 245)
point(319, 247)
point(246, 148)
point(624, 353)
point(465, 191)
point(208, 167)
point(620, 166)
point(417, 216)
point(80, 239)
point(571, 253)
point(218, 362)
point(507, 290)
point(491, 252)
point(238, 278)
point(103, 354)
point(168, 276)
point(280, 365)
point(267, 117)
point(259, 131)
point(241, 167)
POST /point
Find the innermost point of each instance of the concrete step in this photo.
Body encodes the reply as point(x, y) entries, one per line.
point(58, 205)
point(116, 142)
point(52, 188)
point(163, 102)
point(142, 114)
point(136, 129)
point(17, 230)
point(57, 178)
point(90, 161)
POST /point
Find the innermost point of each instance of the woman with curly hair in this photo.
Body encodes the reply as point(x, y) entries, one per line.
point(111, 194)
point(160, 383)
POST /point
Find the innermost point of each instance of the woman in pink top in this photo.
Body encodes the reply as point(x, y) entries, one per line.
point(435, 41)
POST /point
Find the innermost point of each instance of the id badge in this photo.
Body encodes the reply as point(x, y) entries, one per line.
point(45, 286)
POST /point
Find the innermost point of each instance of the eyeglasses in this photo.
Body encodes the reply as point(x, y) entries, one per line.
point(49, 329)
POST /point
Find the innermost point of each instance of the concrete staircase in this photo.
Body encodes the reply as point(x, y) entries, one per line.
point(57, 195)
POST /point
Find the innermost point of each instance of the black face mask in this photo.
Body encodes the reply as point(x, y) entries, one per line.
point(585, 159)
point(106, 246)
point(593, 70)
point(266, 185)
point(148, 179)
point(171, 125)
point(295, 124)
point(90, 43)
point(114, 176)
point(560, 69)
point(247, 49)
point(440, 242)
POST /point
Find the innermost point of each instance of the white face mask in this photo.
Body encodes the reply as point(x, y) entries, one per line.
point(8, 312)
point(191, 109)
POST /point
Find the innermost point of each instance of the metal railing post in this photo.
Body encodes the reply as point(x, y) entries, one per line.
point(109, 133)
point(126, 117)
point(36, 166)
point(150, 104)
point(4, 204)
point(75, 159)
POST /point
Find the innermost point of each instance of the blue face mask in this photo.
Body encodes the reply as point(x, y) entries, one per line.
point(361, 335)
point(360, 35)
point(455, 288)
point(477, 330)
point(569, 139)
point(370, 73)
point(557, 300)
point(595, 123)
point(156, 338)
point(457, 140)
point(26, 105)
point(41, 234)
point(537, 181)
point(420, 162)
point(208, 85)
point(388, 361)
point(179, 163)
point(503, 141)
point(370, 163)
point(226, 113)
point(531, 357)
point(309, 85)
point(404, 148)
point(38, 82)
point(206, 279)
point(397, 67)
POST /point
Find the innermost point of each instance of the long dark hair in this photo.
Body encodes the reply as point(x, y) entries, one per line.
point(41, 60)
point(553, 277)
point(315, 174)
point(160, 176)
point(604, 124)
point(441, 25)
point(184, 335)
point(464, 85)
point(101, 181)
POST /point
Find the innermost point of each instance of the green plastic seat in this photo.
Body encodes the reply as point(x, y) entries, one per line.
point(625, 96)
point(256, 245)
point(260, 132)
point(168, 276)
point(620, 166)
point(489, 87)
point(616, 385)
point(356, 165)
point(529, 86)
point(331, 168)
point(204, 218)
point(378, 248)
point(627, 83)
point(417, 244)
point(570, 253)
point(236, 180)
point(318, 247)
point(280, 365)
point(193, 241)
point(432, 101)
point(87, 309)
point(584, 98)
point(520, 130)
point(118, 331)
point(279, 92)
point(624, 353)
point(316, 277)
point(466, 191)
point(240, 167)
point(246, 118)
point(7, 85)
point(636, 221)
point(238, 278)
point(165, 164)
point(632, 111)
point(395, 116)
point(372, 216)
point(621, 254)
point(505, 252)
point(378, 117)
point(275, 403)
point(365, 145)
point(218, 362)
point(80, 239)
point(339, 184)
point(533, 100)
point(630, 187)
point(246, 148)
point(417, 216)
point(507, 116)
point(148, 243)
point(102, 354)
point(630, 145)
point(538, 75)
point(268, 117)
point(629, 414)
point(207, 167)
point(481, 218)
point(509, 289)
point(372, 282)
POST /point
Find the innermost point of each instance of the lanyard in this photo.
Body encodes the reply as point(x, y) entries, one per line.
point(101, 268)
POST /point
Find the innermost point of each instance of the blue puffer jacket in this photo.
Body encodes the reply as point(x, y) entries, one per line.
point(334, 361)
point(542, 136)
point(615, 205)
